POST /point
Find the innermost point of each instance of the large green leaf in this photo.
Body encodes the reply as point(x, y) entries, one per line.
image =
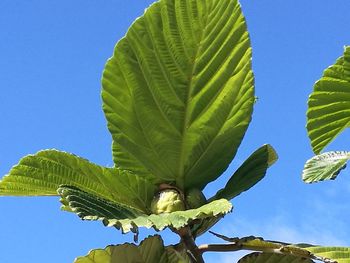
point(150, 250)
point(329, 104)
point(89, 207)
point(258, 257)
point(178, 92)
point(249, 173)
point(325, 166)
point(335, 254)
point(41, 174)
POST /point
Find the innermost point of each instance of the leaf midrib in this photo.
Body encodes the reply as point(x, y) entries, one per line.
point(180, 178)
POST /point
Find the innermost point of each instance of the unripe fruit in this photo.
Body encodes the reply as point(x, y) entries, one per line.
point(167, 201)
point(195, 198)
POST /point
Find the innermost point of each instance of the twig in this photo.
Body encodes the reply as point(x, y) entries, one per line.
point(188, 240)
point(258, 244)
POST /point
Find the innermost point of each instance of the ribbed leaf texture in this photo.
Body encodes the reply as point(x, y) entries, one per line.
point(89, 207)
point(41, 174)
point(335, 254)
point(325, 166)
point(150, 250)
point(258, 257)
point(249, 173)
point(178, 92)
point(329, 104)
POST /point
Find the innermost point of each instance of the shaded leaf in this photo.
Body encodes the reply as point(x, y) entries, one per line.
point(336, 254)
point(249, 173)
point(258, 257)
point(329, 104)
point(204, 225)
point(150, 250)
point(176, 256)
point(89, 207)
point(41, 174)
point(178, 91)
point(325, 166)
point(83, 203)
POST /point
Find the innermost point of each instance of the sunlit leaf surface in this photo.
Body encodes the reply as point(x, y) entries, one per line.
point(178, 92)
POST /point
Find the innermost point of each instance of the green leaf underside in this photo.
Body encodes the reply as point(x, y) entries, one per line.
point(178, 92)
point(150, 250)
point(41, 174)
point(258, 257)
point(88, 207)
point(204, 225)
point(338, 254)
point(325, 166)
point(249, 173)
point(329, 104)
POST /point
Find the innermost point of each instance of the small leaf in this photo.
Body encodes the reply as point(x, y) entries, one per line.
point(258, 257)
point(325, 166)
point(41, 174)
point(204, 225)
point(150, 250)
point(89, 207)
point(249, 173)
point(329, 104)
point(179, 91)
point(334, 254)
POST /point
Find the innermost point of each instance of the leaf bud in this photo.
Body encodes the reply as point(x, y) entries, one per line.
point(195, 198)
point(167, 201)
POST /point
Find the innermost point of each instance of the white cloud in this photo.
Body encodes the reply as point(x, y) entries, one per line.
point(320, 224)
point(313, 229)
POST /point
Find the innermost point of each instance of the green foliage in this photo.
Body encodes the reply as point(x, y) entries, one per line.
point(327, 116)
point(90, 207)
point(285, 252)
point(42, 174)
point(329, 104)
point(178, 92)
point(325, 166)
point(195, 198)
point(337, 254)
point(249, 173)
point(178, 96)
point(151, 250)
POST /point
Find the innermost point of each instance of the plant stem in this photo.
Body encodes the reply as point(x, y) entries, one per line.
point(276, 248)
point(219, 248)
point(188, 240)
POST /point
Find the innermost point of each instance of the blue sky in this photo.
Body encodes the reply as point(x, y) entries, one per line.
point(52, 55)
